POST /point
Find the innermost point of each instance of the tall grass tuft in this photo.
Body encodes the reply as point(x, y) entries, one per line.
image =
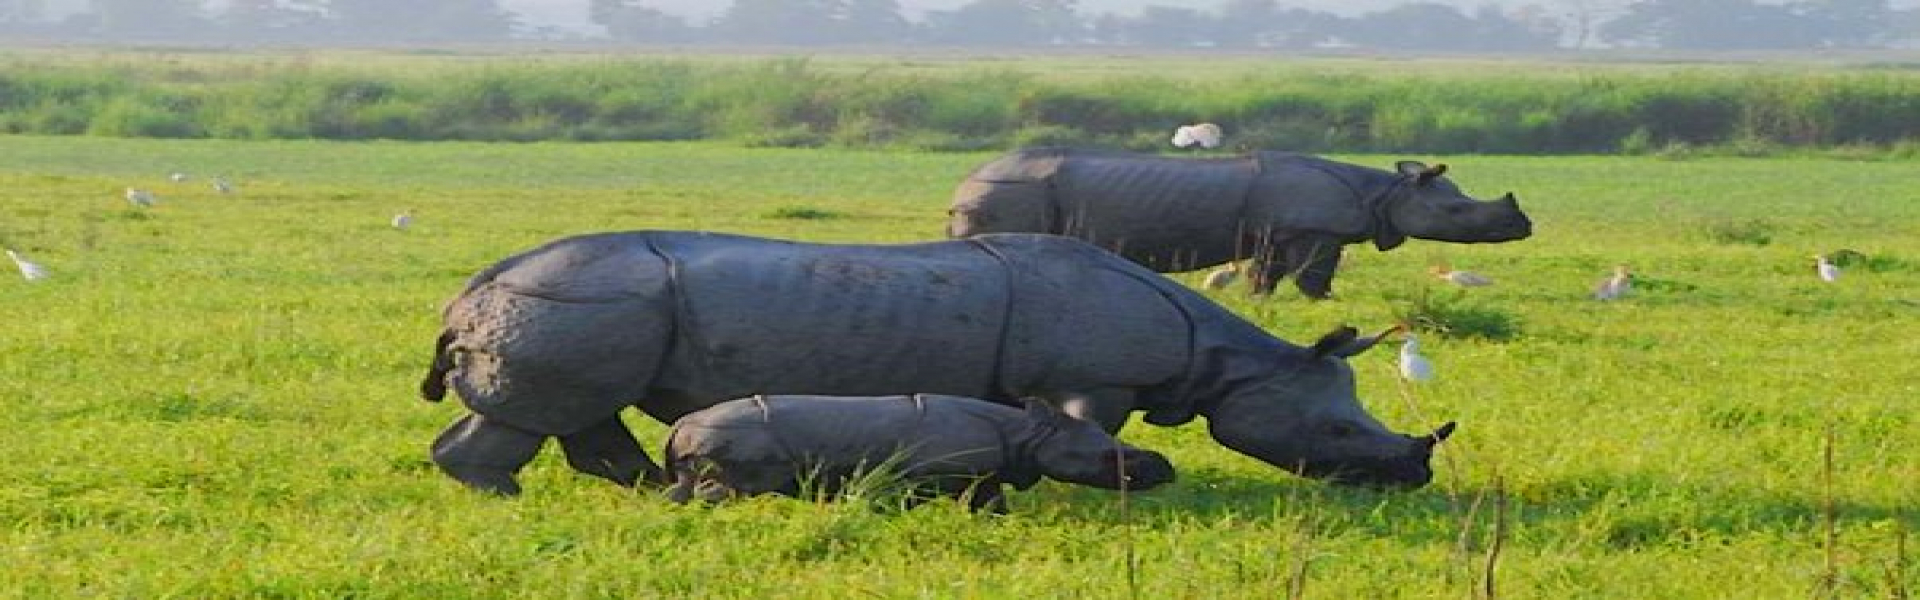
point(1453, 315)
point(1750, 231)
point(801, 102)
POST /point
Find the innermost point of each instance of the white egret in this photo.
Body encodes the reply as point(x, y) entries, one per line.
point(1413, 366)
point(28, 269)
point(1220, 278)
point(177, 177)
point(1616, 285)
point(1204, 135)
point(221, 185)
point(141, 198)
point(1828, 272)
point(1459, 278)
point(403, 220)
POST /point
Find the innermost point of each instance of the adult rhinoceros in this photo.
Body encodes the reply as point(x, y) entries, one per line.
point(1286, 213)
point(558, 340)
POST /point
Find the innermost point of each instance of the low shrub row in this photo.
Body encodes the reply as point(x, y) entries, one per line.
point(794, 102)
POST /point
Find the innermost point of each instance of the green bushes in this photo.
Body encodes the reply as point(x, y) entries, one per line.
point(798, 102)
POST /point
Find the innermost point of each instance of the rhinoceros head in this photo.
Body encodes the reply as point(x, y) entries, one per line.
point(1077, 451)
point(1306, 419)
point(1426, 205)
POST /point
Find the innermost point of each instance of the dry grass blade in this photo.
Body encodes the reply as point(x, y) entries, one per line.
point(1487, 588)
point(1302, 557)
point(1126, 529)
point(1829, 518)
point(1463, 546)
point(1897, 568)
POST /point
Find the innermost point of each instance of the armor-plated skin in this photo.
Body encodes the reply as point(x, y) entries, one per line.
point(1289, 214)
point(558, 340)
point(947, 445)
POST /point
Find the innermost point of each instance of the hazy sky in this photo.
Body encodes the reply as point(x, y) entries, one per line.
point(572, 13)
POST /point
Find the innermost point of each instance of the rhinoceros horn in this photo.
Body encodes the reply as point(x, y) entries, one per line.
point(1439, 435)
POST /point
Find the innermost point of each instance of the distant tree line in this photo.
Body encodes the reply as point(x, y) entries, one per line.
point(1244, 24)
point(792, 103)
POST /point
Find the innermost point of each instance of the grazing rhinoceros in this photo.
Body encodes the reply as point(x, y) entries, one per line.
point(558, 340)
point(950, 445)
point(1287, 213)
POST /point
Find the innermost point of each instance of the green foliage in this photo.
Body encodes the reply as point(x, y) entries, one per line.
point(1323, 105)
point(804, 213)
point(1451, 314)
point(1750, 231)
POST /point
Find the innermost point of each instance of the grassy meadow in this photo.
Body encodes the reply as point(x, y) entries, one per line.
point(214, 397)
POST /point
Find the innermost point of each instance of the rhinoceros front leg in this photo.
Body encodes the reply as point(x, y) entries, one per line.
point(988, 496)
point(607, 450)
point(1314, 263)
point(484, 454)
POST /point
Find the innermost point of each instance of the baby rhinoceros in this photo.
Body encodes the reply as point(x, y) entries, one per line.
point(939, 445)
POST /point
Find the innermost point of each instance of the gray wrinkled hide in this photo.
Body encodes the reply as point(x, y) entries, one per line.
point(946, 444)
point(558, 340)
point(1289, 214)
point(567, 334)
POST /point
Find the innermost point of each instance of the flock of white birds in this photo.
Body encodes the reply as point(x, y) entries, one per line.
point(143, 199)
point(1413, 366)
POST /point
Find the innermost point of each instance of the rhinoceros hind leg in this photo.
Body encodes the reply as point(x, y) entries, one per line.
point(484, 454)
point(607, 450)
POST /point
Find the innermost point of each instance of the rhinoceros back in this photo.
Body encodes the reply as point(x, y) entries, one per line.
point(767, 316)
point(1169, 214)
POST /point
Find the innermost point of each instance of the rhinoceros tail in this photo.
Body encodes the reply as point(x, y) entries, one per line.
point(433, 388)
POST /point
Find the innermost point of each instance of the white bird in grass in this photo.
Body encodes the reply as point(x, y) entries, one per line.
point(1614, 286)
point(1204, 135)
point(1220, 278)
point(141, 198)
point(221, 185)
point(1413, 366)
point(403, 220)
point(1459, 278)
point(1828, 272)
point(28, 269)
point(177, 177)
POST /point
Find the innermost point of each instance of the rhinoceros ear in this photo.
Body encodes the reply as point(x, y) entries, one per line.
point(1410, 168)
point(1040, 411)
point(1430, 174)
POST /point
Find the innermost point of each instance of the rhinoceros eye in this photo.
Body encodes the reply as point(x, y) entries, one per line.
point(1340, 429)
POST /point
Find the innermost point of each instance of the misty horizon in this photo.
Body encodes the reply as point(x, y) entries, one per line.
point(1455, 25)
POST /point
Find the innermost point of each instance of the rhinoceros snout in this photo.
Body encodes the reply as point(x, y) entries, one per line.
point(1517, 225)
point(1146, 469)
point(1404, 474)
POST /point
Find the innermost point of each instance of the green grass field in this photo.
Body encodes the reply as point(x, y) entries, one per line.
point(213, 398)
